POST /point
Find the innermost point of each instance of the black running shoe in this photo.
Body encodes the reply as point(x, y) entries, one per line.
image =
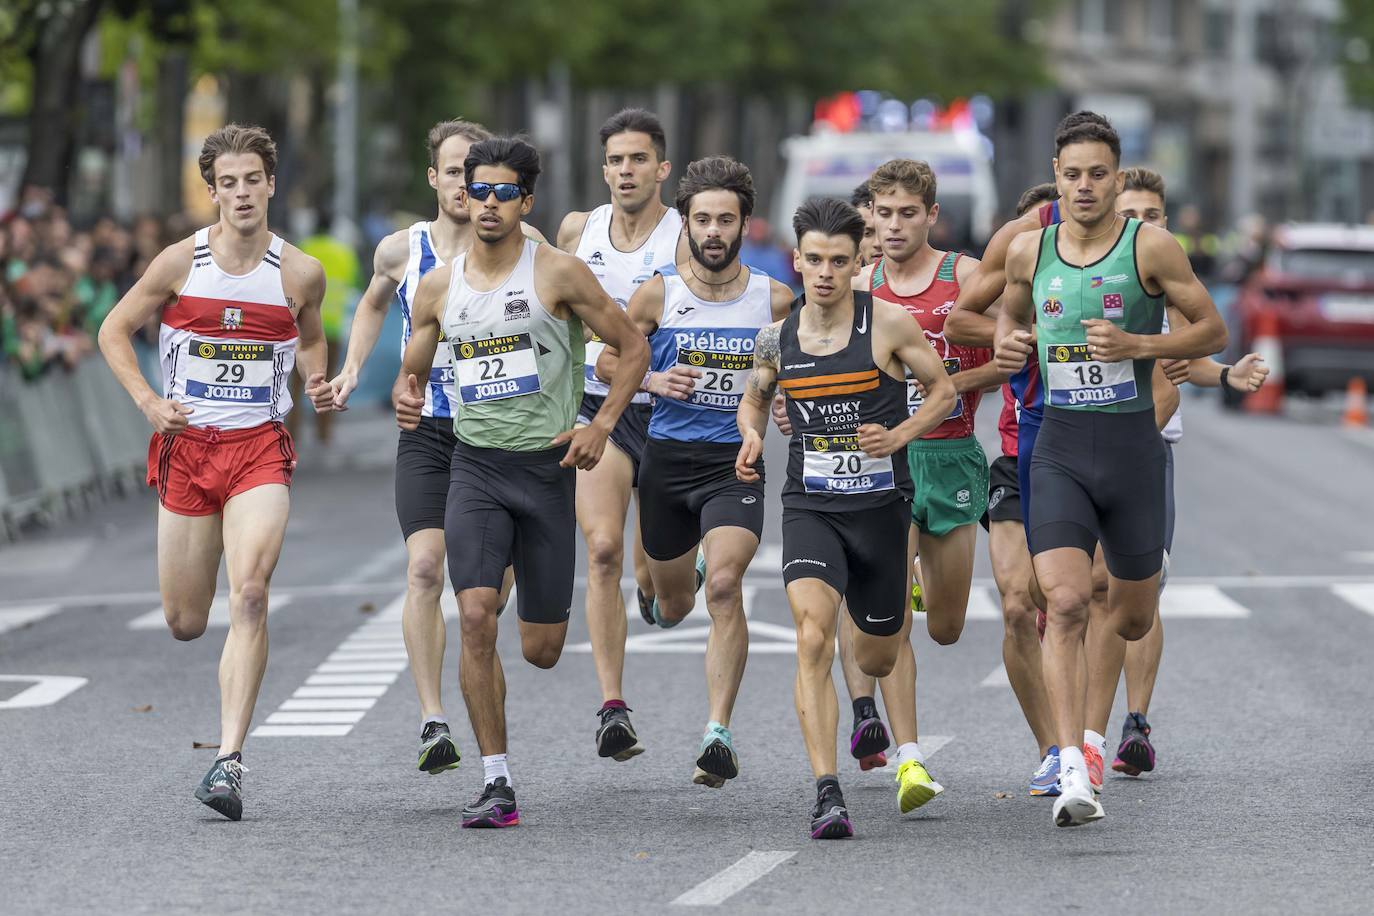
point(495, 807)
point(438, 752)
point(616, 737)
point(830, 818)
point(646, 607)
point(222, 787)
point(868, 740)
point(1136, 754)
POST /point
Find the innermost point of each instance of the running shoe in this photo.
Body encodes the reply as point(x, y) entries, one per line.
point(868, 741)
point(438, 752)
point(222, 787)
point(495, 807)
point(914, 786)
point(1075, 805)
point(1045, 781)
point(646, 607)
point(1135, 755)
point(830, 818)
point(1093, 758)
point(717, 761)
point(918, 605)
point(616, 737)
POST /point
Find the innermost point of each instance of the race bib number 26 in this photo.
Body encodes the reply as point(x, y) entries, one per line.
point(495, 368)
point(723, 376)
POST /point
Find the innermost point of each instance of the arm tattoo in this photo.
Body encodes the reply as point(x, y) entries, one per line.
point(759, 389)
point(766, 346)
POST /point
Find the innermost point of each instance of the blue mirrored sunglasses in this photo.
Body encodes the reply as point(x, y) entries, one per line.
point(504, 190)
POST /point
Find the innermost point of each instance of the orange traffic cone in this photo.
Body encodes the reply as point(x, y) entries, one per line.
point(1269, 398)
point(1356, 403)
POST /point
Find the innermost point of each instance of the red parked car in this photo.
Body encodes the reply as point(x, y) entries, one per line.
point(1318, 281)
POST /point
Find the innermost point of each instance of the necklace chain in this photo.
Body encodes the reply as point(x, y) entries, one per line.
point(693, 268)
point(1089, 238)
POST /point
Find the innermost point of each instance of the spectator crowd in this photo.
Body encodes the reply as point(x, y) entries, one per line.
point(57, 282)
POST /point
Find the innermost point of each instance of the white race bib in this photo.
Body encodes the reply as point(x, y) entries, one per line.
point(836, 464)
point(723, 376)
point(234, 373)
point(495, 368)
point(914, 398)
point(595, 346)
point(1074, 379)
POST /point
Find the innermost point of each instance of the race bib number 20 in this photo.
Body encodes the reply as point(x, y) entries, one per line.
point(836, 464)
point(495, 368)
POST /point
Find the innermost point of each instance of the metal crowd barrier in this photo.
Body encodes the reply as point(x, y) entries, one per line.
point(66, 439)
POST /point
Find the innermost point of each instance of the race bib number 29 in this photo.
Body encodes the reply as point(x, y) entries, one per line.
point(1074, 379)
point(723, 376)
point(239, 373)
point(495, 368)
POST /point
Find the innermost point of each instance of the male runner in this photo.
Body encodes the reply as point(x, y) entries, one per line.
point(1143, 198)
point(512, 312)
point(841, 359)
point(423, 454)
point(239, 307)
point(701, 319)
point(948, 468)
point(871, 249)
point(623, 242)
point(1098, 468)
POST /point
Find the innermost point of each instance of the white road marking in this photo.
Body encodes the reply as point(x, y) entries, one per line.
point(46, 689)
point(1199, 602)
point(724, 884)
point(339, 703)
point(346, 667)
point(316, 717)
point(219, 613)
point(1362, 596)
point(767, 560)
point(11, 618)
point(354, 690)
point(998, 678)
point(1359, 556)
point(983, 604)
point(324, 680)
point(301, 731)
point(45, 558)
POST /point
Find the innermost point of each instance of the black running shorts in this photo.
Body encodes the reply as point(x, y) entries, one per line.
point(516, 508)
point(688, 488)
point(423, 456)
point(860, 554)
point(1100, 476)
point(1004, 492)
point(630, 433)
point(1169, 510)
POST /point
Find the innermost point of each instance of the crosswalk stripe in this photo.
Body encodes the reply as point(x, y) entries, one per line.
point(300, 705)
point(12, 618)
point(351, 690)
point(316, 717)
point(320, 680)
point(219, 614)
point(1199, 602)
point(360, 667)
point(301, 731)
point(1361, 596)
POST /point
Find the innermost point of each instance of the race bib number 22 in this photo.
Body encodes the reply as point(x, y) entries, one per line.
point(494, 368)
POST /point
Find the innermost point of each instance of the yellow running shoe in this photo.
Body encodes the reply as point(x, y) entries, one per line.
point(917, 605)
point(914, 786)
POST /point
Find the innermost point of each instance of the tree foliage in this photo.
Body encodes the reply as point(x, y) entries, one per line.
point(1357, 29)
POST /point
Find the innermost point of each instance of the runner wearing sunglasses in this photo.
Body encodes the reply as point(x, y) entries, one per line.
point(512, 313)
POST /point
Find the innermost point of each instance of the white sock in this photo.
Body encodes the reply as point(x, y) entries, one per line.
point(1071, 758)
point(910, 751)
point(1097, 741)
point(494, 767)
point(442, 720)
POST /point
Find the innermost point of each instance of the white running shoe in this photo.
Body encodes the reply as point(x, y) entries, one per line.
point(1164, 573)
point(1075, 805)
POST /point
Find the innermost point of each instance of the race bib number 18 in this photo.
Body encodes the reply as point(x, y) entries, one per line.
point(1075, 379)
point(495, 368)
point(836, 464)
point(238, 373)
point(723, 376)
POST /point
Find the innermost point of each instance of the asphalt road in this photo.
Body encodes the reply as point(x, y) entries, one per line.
point(1261, 801)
